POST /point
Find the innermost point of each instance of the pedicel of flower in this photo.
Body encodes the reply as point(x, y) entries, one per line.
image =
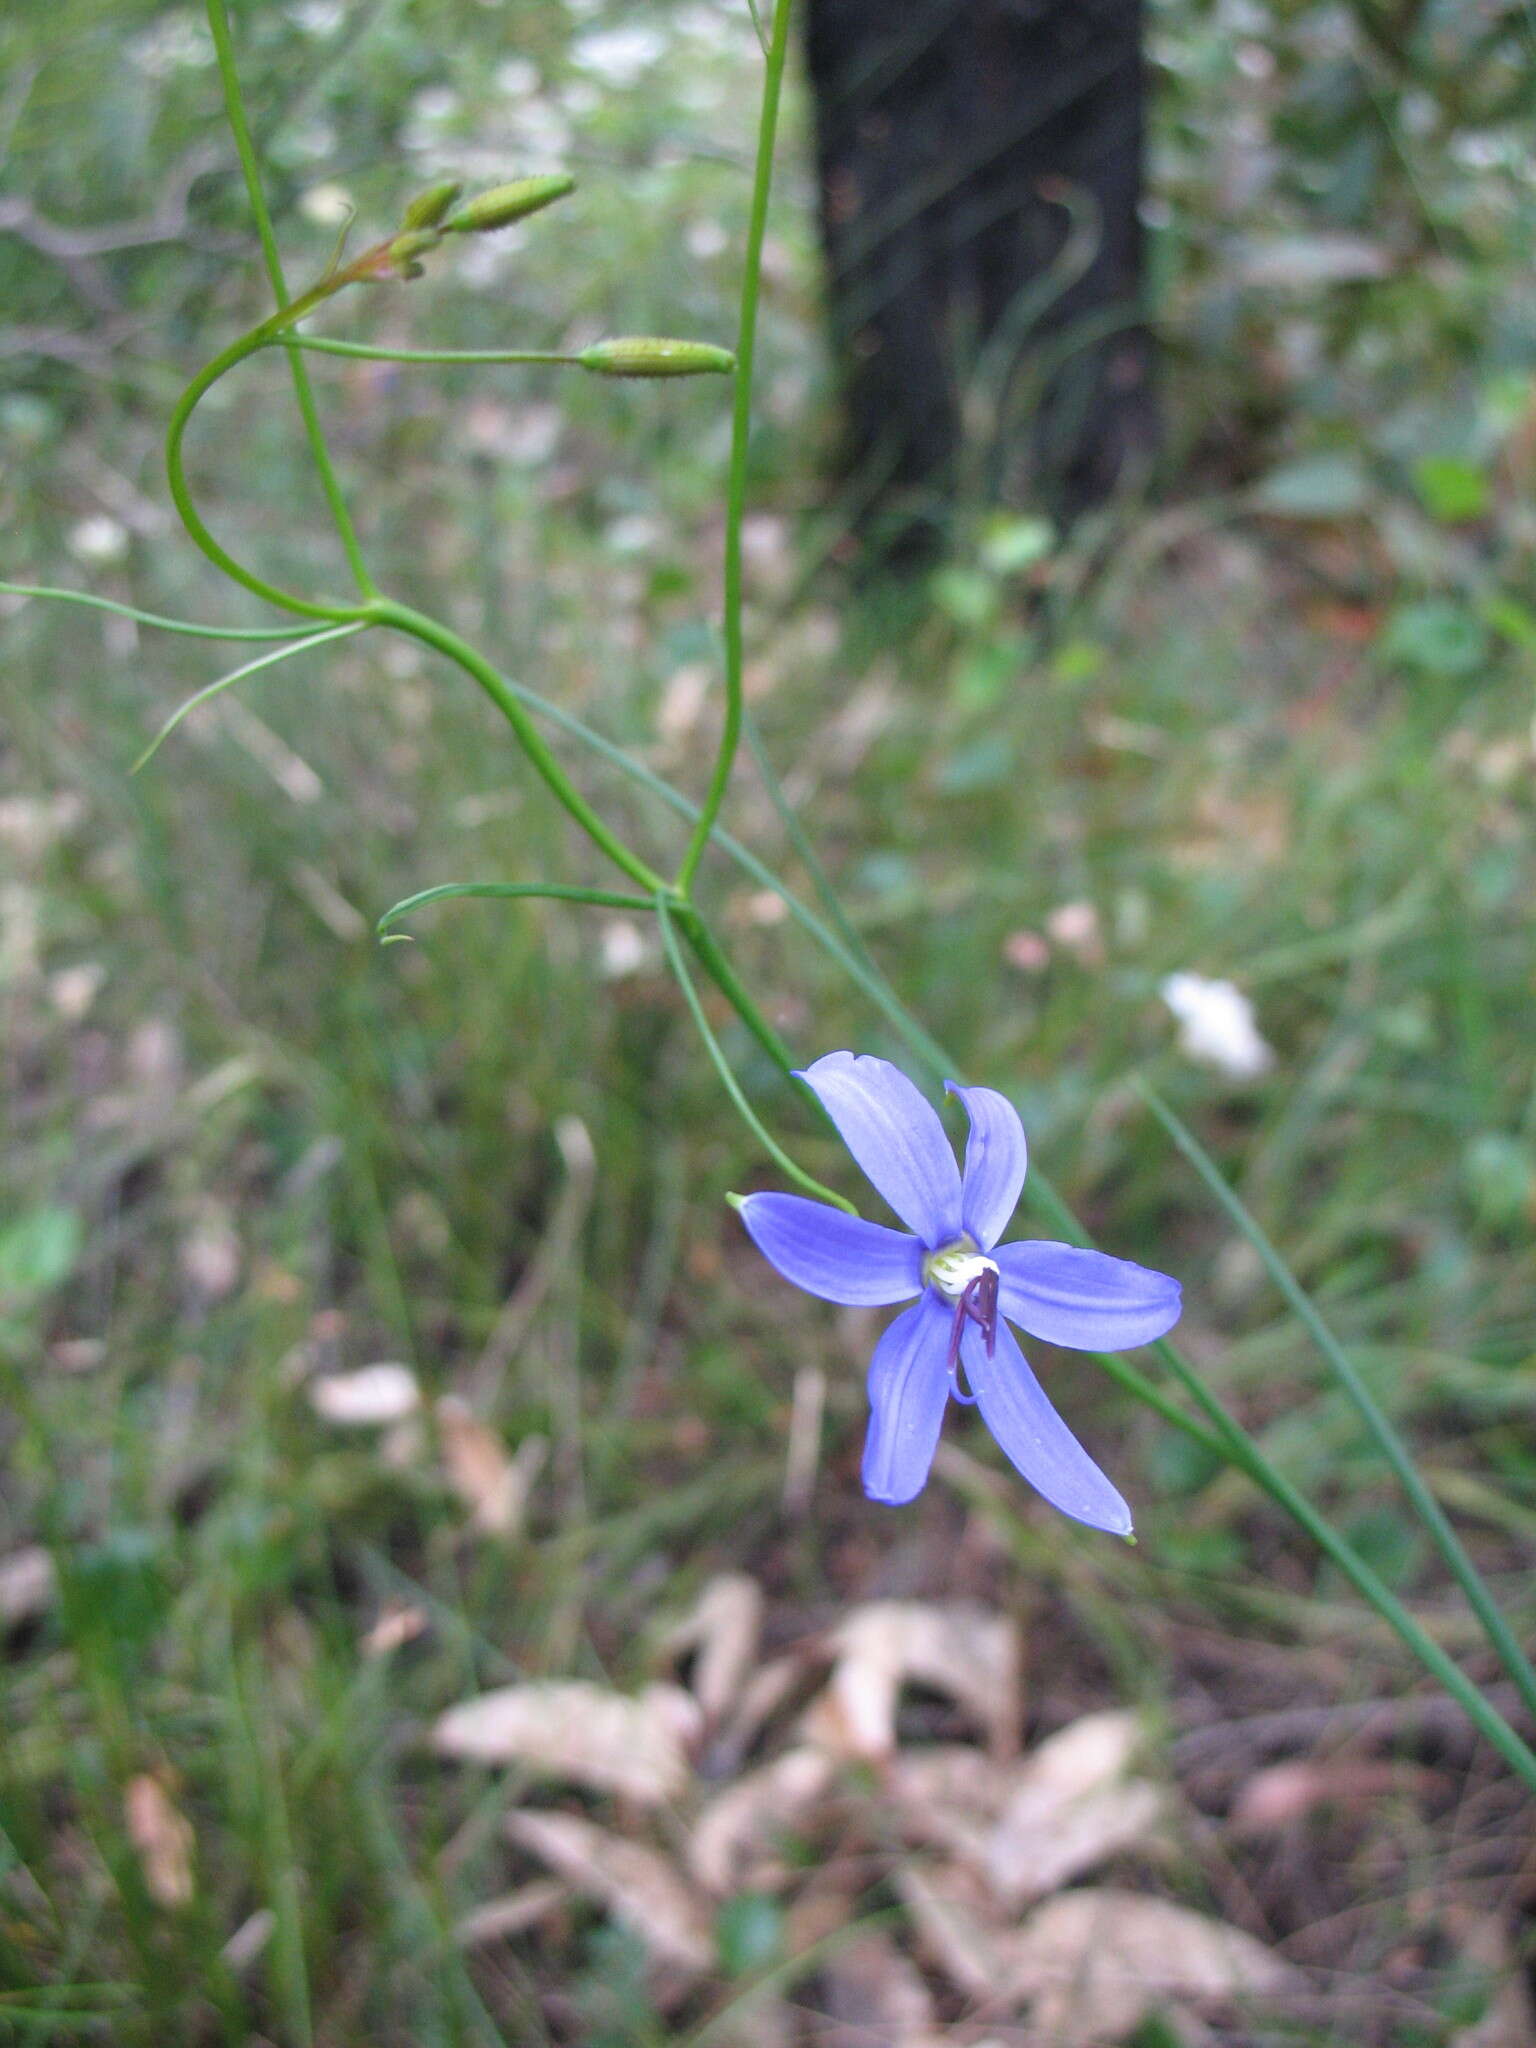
point(969, 1288)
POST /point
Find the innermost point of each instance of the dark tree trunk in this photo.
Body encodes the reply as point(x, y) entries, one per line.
point(980, 165)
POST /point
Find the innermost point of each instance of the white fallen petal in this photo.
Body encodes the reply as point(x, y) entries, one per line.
point(1217, 1026)
point(27, 1585)
point(637, 1885)
point(584, 1734)
point(371, 1395)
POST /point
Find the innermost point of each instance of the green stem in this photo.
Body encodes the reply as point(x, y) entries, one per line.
point(141, 618)
point(741, 427)
point(176, 475)
point(1344, 1369)
point(1241, 1450)
point(557, 892)
point(731, 986)
point(432, 633)
point(323, 345)
point(236, 675)
point(722, 1066)
point(218, 22)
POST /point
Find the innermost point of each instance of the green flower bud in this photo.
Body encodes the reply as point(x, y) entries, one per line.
point(504, 204)
point(653, 355)
point(426, 210)
point(404, 250)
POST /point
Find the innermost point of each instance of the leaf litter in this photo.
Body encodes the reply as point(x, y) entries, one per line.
point(985, 1849)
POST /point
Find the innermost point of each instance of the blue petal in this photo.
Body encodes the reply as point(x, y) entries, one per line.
point(1016, 1409)
point(908, 1388)
point(1083, 1299)
point(895, 1135)
point(839, 1257)
point(995, 1159)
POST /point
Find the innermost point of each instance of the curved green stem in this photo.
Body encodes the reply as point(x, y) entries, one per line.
point(555, 892)
point(176, 475)
point(322, 345)
point(431, 632)
point(741, 428)
point(236, 675)
point(142, 618)
point(218, 22)
point(665, 921)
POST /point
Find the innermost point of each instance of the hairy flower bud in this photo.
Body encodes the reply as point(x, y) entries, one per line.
point(652, 355)
point(404, 250)
point(426, 210)
point(504, 204)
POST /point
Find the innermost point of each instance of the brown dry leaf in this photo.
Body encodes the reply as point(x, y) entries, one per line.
point(962, 1651)
point(823, 1910)
point(1072, 1805)
point(513, 1913)
point(27, 1585)
point(802, 1456)
point(948, 1796)
point(755, 2020)
point(373, 1394)
point(637, 1885)
point(1509, 2020)
point(400, 1622)
point(875, 1994)
point(731, 1848)
point(567, 1728)
point(723, 1630)
point(245, 1945)
point(763, 1694)
point(1280, 1795)
point(950, 1914)
point(1094, 1962)
point(211, 1257)
point(492, 1485)
point(162, 1839)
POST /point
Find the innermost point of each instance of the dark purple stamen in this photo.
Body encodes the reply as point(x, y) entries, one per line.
point(977, 1304)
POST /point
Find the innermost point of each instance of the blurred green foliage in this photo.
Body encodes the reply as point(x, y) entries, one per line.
point(1276, 727)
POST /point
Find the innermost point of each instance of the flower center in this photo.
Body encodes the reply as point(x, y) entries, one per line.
point(955, 1267)
point(964, 1275)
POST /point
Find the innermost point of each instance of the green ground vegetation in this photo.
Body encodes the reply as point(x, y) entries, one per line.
point(1273, 724)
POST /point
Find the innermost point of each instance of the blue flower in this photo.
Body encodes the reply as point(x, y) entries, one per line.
point(966, 1284)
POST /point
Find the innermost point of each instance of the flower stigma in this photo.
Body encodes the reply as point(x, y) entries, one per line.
point(965, 1276)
